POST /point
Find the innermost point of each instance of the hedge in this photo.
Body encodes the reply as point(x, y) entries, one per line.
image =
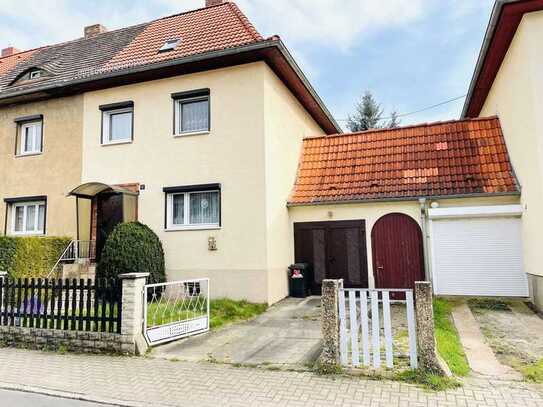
point(132, 247)
point(30, 257)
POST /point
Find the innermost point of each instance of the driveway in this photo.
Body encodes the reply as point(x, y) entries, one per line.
point(289, 333)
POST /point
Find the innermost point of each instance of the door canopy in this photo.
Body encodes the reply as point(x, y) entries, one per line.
point(91, 189)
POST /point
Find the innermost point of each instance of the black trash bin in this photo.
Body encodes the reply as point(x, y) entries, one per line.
point(299, 280)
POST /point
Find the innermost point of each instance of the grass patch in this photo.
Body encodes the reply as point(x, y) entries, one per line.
point(448, 341)
point(533, 372)
point(225, 311)
point(488, 304)
point(427, 380)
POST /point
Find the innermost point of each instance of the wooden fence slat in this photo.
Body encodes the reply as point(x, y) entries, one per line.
point(2, 300)
point(73, 298)
point(111, 298)
point(364, 322)
point(12, 300)
point(97, 289)
point(355, 355)
point(388, 330)
point(103, 296)
point(59, 302)
point(38, 303)
point(376, 330)
point(411, 329)
point(88, 305)
point(66, 305)
point(53, 303)
point(81, 316)
point(32, 302)
point(18, 304)
point(24, 305)
point(342, 329)
point(45, 303)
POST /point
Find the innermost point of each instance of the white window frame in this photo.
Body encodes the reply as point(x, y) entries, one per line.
point(36, 74)
point(178, 102)
point(186, 216)
point(106, 126)
point(22, 137)
point(25, 205)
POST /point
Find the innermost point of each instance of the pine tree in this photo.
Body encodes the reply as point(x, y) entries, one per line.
point(369, 114)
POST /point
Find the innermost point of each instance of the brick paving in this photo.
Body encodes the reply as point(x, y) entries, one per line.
point(158, 382)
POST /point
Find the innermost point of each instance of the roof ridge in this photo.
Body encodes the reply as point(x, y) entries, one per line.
point(190, 11)
point(412, 126)
point(244, 20)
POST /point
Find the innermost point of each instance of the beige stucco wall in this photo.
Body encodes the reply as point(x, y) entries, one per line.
point(52, 173)
point(516, 97)
point(371, 212)
point(232, 154)
point(286, 124)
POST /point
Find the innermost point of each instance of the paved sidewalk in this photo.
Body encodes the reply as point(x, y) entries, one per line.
point(158, 382)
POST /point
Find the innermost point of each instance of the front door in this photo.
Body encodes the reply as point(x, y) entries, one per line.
point(398, 259)
point(334, 250)
point(109, 214)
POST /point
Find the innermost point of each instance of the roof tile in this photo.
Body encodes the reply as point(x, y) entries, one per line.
point(452, 158)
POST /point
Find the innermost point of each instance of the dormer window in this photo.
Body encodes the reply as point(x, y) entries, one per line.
point(34, 74)
point(169, 45)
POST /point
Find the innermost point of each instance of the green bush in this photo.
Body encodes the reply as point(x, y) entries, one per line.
point(132, 248)
point(30, 257)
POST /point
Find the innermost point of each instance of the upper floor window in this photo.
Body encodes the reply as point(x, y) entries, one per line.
point(117, 123)
point(193, 207)
point(29, 135)
point(27, 218)
point(191, 112)
point(34, 74)
point(169, 45)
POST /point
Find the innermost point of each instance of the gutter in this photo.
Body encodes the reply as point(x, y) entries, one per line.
point(262, 45)
point(405, 199)
point(489, 35)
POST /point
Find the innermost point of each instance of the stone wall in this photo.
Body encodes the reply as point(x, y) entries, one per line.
point(74, 341)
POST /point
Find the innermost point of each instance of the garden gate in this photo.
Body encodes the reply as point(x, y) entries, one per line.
point(362, 309)
point(175, 310)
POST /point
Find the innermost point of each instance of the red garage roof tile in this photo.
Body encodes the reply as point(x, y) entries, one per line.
point(453, 158)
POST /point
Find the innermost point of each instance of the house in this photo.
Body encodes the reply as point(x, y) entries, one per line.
point(191, 123)
point(199, 127)
point(386, 208)
point(507, 82)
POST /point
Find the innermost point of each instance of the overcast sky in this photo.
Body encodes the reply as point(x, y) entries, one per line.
point(409, 53)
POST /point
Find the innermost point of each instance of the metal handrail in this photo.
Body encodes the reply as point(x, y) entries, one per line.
point(73, 252)
point(60, 258)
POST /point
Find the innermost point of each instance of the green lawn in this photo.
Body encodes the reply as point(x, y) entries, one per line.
point(448, 342)
point(223, 311)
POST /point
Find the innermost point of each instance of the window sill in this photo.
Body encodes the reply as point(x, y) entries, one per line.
point(116, 143)
point(185, 228)
point(191, 133)
point(28, 154)
point(36, 234)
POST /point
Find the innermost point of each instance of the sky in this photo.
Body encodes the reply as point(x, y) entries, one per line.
point(410, 54)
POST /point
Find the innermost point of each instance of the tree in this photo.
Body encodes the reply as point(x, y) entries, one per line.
point(369, 115)
point(132, 248)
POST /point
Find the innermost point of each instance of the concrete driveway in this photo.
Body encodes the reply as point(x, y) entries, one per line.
point(288, 333)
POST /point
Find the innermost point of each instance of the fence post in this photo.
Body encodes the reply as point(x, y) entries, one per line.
point(428, 359)
point(3, 275)
point(132, 312)
point(329, 360)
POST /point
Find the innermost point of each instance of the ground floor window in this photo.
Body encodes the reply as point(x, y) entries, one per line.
point(28, 218)
point(192, 208)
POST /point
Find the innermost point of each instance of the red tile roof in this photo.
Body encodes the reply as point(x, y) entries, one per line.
point(453, 158)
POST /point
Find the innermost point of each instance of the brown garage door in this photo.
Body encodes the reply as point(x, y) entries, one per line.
point(334, 250)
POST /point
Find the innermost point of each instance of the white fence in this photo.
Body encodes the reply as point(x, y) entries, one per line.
point(175, 310)
point(366, 324)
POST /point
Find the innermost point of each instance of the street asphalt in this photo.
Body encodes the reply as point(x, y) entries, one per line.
point(10, 398)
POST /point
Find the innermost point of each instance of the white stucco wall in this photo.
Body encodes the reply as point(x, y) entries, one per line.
point(286, 124)
point(516, 97)
point(232, 154)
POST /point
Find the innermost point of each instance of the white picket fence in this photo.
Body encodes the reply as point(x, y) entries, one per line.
point(361, 332)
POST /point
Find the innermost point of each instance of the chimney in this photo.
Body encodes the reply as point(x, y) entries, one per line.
point(210, 3)
point(94, 30)
point(7, 52)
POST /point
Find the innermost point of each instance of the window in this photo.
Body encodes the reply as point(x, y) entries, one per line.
point(191, 112)
point(117, 123)
point(29, 137)
point(191, 208)
point(34, 74)
point(28, 218)
point(169, 45)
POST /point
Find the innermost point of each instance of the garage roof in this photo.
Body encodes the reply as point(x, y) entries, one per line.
point(455, 158)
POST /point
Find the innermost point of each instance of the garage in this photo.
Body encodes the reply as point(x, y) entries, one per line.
point(477, 251)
